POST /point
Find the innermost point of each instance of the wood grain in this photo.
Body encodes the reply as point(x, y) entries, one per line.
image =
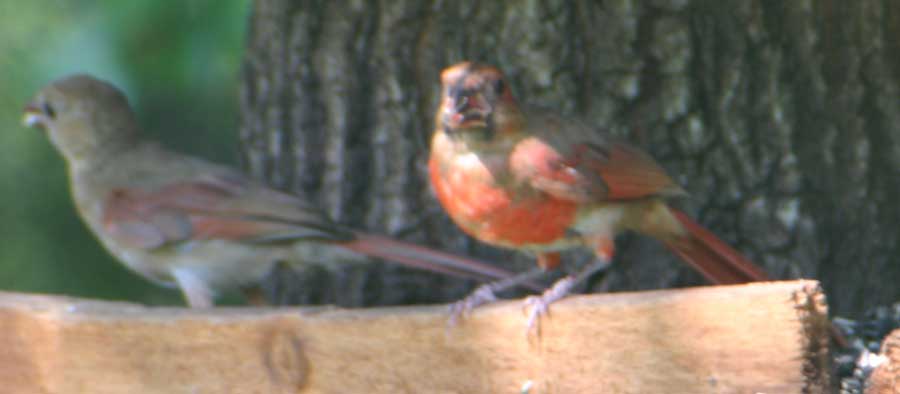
point(730, 339)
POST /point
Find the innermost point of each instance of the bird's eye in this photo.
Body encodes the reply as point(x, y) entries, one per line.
point(47, 109)
point(499, 85)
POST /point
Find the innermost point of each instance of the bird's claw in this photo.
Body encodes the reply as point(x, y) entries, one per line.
point(538, 306)
point(482, 295)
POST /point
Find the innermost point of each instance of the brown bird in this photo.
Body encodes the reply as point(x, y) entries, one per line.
point(533, 181)
point(179, 220)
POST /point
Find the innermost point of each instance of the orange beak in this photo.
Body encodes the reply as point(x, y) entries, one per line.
point(31, 115)
point(468, 110)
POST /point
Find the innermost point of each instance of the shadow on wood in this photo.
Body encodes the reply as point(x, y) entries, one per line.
point(731, 339)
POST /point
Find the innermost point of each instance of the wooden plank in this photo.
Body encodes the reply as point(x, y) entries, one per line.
point(733, 339)
point(885, 379)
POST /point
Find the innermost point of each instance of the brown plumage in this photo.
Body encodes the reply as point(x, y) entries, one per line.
point(180, 220)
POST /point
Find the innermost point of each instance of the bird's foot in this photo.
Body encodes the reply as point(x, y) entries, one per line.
point(539, 306)
point(484, 294)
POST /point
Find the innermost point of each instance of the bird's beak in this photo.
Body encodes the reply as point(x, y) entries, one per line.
point(31, 115)
point(459, 98)
point(462, 103)
point(468, 110)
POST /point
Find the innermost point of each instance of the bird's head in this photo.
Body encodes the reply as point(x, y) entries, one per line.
point(476, 98)
point(83, 116)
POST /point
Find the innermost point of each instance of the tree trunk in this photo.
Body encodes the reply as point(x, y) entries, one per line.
point(780, 118)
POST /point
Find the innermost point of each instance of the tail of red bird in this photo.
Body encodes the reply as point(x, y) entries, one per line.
point(717, 261)
point(423, 258)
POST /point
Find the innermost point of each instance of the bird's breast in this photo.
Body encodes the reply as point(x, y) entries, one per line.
point(476, 195)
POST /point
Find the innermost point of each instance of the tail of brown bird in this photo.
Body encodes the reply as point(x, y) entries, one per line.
point(423, 258)
point(717, 261)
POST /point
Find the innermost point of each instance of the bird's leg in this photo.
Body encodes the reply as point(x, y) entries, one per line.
point(486, 293)
point(539, 305)
point(195, 290)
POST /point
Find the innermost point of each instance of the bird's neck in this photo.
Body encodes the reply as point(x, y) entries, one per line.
point(91, 155)
point(480, 143)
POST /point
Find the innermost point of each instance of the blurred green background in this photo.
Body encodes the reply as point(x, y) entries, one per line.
point(178, 64)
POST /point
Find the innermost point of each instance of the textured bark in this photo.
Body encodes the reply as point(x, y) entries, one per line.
point(780, 117)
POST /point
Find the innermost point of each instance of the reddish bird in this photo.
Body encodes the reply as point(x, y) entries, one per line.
point(537, 182)
point(183, 221)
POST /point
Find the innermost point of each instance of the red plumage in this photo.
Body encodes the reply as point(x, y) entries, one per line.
point(533, 181)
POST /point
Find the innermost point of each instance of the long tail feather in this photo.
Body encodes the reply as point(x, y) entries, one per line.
point(717, 261)
point(424, 258)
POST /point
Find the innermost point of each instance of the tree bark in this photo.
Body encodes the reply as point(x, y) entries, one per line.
point(780, 118)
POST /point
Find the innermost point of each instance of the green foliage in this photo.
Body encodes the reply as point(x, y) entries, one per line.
point(177, 62)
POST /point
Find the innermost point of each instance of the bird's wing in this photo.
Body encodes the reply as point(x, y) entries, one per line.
point(212, 207)
point(573, 164)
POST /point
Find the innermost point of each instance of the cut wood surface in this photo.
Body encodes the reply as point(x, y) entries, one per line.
point(885, 379)
point(766, 337)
